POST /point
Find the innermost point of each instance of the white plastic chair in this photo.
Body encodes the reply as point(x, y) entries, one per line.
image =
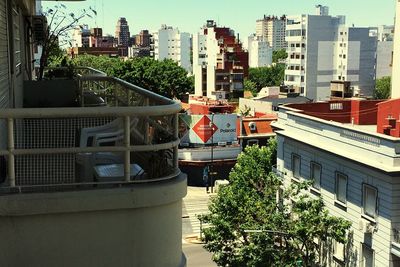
point(105, 166)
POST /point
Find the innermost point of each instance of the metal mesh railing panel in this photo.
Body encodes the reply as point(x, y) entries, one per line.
point(49, 133)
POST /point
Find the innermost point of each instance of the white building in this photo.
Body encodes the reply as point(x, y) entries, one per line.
point(260, 53)
point(384, 55)
point(353, 168)
point(321, 10)
point(322, 49)
point(81, 36)
point(385, 33)
point(272, 29)
point(170, 43)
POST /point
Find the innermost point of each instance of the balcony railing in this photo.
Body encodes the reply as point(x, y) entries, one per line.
point(125, 127)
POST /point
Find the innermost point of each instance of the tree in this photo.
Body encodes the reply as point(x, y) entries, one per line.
point(60, 23)
point(161, 77)
point(267, 76)
point(383, 88)
point(252, 226)
point(250, 86)
point(102, 63)
point(279, 55)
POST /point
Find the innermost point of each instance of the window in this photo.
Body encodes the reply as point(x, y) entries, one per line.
point(252, 142)
point(338, 252)
point(336, 106)
point(370, 195)
point(316, 175)
point(341, 187)
point(367, 257)
point(296, 165)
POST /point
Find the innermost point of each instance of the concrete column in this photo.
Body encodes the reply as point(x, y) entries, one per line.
point(396, 55)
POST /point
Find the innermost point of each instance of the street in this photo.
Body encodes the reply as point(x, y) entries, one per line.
point(195, 203)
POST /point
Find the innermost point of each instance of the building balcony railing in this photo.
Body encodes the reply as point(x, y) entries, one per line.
point(118, 134)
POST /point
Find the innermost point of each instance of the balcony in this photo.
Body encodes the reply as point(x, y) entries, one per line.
point(88, 185)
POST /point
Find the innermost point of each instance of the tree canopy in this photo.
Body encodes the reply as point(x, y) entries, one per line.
point(257, 221)
point(162, 77)
point(279, 55)
point(267, 76)
point(383, 88)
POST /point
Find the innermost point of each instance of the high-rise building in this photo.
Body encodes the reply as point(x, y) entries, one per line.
point(272, 29)
point(143, 38)
point(81, 36)
point(321, 10)
point(260, 53)
point(219, 62)
point(122, 35)
point(384, 59)
point(385, 33)
point(321, 49)
point(170, 43)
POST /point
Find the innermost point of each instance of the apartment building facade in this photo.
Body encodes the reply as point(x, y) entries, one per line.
point(170, 43)
point(349, 152)
point(321, 49)
point(260, 53)
point(272, 29)
point(49, 214)
point(220, 63)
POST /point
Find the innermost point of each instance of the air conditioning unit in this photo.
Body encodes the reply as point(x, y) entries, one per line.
point(366, 227)
point(252, 126)
point(39, 28)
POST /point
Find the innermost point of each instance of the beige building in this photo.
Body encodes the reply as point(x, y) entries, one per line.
point(81, 184)
point(272, 30)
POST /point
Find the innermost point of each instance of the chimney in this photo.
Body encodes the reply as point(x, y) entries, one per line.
point(396, 55)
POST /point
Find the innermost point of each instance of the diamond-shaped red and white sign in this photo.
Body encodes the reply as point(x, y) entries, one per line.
point(205, 129)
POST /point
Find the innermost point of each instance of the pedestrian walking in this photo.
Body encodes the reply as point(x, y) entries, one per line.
point(206, 177)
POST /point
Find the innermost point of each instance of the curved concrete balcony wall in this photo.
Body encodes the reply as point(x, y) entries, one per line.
point(133, 226)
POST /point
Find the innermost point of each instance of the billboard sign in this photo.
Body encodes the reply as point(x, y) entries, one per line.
point(207, 129)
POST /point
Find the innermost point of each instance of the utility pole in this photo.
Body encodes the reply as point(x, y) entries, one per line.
point(212, 153)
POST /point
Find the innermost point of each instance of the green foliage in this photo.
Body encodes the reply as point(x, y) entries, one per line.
point(162, 77)
point(267, 76)
point(279, 55)
point(383, 88)
point(102, 63)
point(250, 86)
point(285, 235)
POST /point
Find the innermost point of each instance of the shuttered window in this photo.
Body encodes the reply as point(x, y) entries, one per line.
point(17, 38)
point(4, 71)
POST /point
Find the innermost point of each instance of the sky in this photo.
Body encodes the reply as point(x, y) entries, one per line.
point(240, 15)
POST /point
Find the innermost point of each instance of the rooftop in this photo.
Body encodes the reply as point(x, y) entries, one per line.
point(365, 131)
